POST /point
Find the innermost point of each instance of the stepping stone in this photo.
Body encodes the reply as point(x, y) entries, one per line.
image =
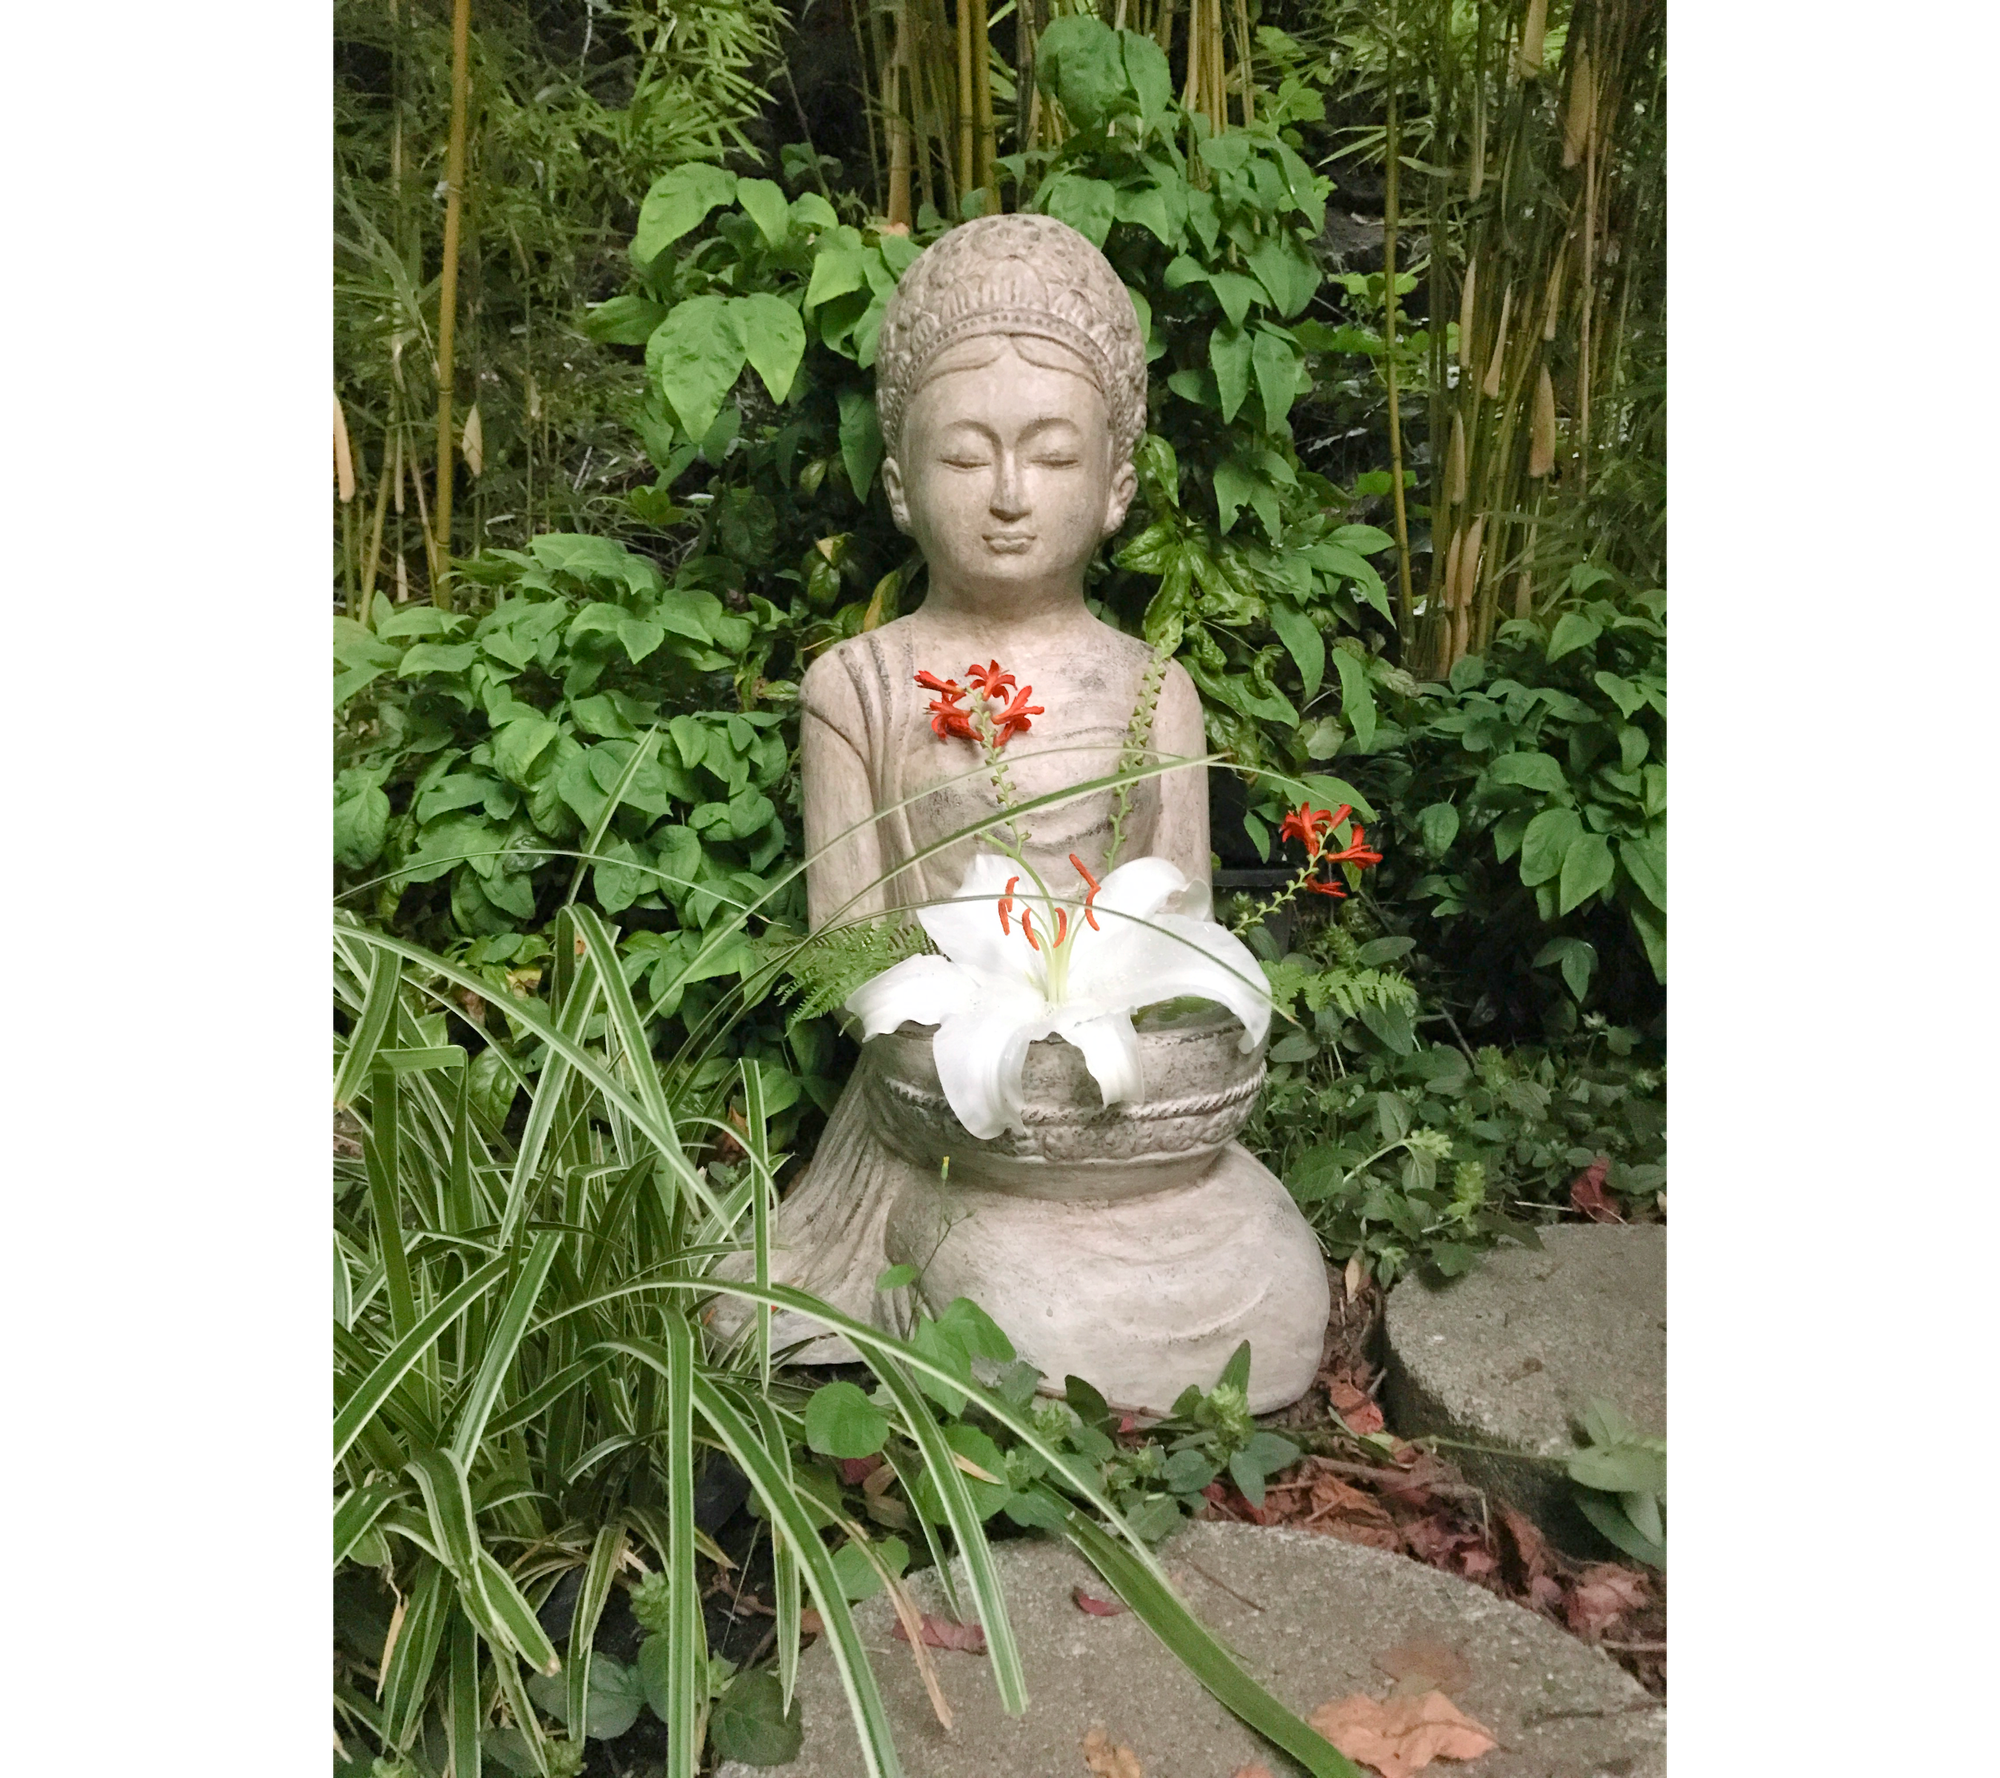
point(1510, 1354)
point(1306, 1614)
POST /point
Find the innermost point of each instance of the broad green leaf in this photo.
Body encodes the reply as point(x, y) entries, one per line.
point(436, 657)
point(624, 320)
point(1652, 930)
point(1546, 843)
point(1229, 355)
point(360, 824)
point(674, 203)
point(861, 445)
point(1235, 293)
point(764, 203)
point(1147, 74)
point(837, 269)
point(1573, 631)
point(1577, 958)
point(1301, 637)
point(1530, 771)
point(1586, 869)
point(694, 358)
point(521, 745)
point(1087, 205)
point(774, 338)
point(750, 1723)
point(1277, 368)
point(1078, 60)
point(1645, 859)
point(842, 1422)
point(615, 1694)
point(1357, 698)
point(1438, 827)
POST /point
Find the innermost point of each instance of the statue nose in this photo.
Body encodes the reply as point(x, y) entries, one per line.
point(1010, 494)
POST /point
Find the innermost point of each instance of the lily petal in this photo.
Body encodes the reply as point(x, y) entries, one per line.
point(967, 928)
point(1167, 957)
point(980, 1054)
point(1110, 1051)
point(920, 990)
point(1141, 886)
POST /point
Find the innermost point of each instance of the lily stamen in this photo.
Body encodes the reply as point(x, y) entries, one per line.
point(1006, 902)
point(1089, 915)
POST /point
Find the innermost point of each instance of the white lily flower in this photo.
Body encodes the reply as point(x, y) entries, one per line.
point(1002, 983)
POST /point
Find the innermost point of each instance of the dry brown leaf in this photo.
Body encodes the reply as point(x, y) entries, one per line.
point(1587, 1193)
point(1355, 1406)
point(1604, 1594)
point(1353, 1278)
point(1530, 1549)
point(1424, 1667)
point(810, 1622)
point(1103, 1760)
point(1096, 1607)
point(1404, 1735)
point(941, 1632)
point(1251, 1772)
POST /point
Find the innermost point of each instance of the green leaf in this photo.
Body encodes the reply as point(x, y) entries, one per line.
point(1530, 771)
point(1573, 631)
point(750, 1723)
point(360, 824)
point(1546, 844)
point(1586, 869)
point(1302, 639)
point(1437, 825)
point(1078, 60)
point(437, 657)
point(639, 637)
point(1357, 698)
point(774, 338)
point(616, 1693)
point(1616, 1525)
point(1645, 859)
point(624, 320)
point(1628, 697)
point(764, 203)
point(858, 1576)
point(1277, 368)
point(1235, 293)
point(1229, 354)
point(1087, 205)
point(860, 440)
point(1652, 930)
point(675, 202)
point(1577, 956)
point(843, 1422)
point(521, 745)
point(694, 358)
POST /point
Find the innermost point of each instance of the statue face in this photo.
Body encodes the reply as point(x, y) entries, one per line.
point(1005, 478)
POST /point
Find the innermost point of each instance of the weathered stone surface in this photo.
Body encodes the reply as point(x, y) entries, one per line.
point(1323, 1611)
point(1510, 1354)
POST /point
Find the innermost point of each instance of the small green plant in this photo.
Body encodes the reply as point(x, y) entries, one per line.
point(1621, 1482)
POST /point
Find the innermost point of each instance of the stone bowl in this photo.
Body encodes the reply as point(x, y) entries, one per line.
point(1199, 1088)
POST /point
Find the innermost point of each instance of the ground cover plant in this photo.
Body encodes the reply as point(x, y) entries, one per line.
point(575, 721)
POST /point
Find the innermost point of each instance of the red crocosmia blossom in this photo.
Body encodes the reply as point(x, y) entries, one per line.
point(1013, 720)
point(947, 720)
point(1303, 825)
point(1322, 888)
point(990, 679)
point(1357, 851)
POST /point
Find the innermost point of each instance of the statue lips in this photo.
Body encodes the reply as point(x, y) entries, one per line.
point(1010, 543)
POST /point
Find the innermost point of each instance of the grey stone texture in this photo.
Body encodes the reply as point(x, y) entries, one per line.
point(1323, 1611)
point(1510, 1354)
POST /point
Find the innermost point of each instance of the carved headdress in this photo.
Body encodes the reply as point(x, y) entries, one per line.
point(1021, 274)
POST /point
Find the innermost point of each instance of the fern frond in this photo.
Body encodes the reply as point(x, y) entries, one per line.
point(837, 960)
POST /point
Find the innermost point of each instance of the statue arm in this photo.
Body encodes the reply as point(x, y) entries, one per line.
point(1182, 835)
point(838, 798)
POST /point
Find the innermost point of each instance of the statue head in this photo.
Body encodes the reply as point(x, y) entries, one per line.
point(1010, 381)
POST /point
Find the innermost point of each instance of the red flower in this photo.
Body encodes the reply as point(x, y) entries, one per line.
point(1014, 719)
point(947, 720)
point(1310, 826)
point(1357, 851)
point(1320, 888)
point(990, 679)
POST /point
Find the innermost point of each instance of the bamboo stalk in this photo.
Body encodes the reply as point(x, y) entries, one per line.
point(370, 567)
point(1405, 600)
point(985, 173)
point(461, 53)
point(895, 102)
point(1243, 62)
point(967, 175)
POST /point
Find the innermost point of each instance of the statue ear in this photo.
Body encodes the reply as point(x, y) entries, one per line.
point(892, 485)
point(1123, 486)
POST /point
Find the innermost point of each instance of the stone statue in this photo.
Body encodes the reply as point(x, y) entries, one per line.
point(1131, 1243)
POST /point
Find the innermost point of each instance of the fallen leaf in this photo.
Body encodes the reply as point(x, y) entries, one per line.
point(811, 1623)
point(1528, 1548)
point(856, 1469)
point(1251, 1772)
point(1355, 1406)
point(1097, 1607)
point(1545, 1593)
point(941, 1632)
point(1106, 1761)
point(1587, 1193)
point(1230, 1504)
point(1404, 1735)
point(1602, 1595)
point(1352, 1279)
point(1424, 1667)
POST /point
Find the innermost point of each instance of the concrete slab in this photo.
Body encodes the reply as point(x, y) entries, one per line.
point(1511, 1353)
point(1312, 1615)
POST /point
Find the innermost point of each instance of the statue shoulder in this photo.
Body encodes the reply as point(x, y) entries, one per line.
point(855, 685)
